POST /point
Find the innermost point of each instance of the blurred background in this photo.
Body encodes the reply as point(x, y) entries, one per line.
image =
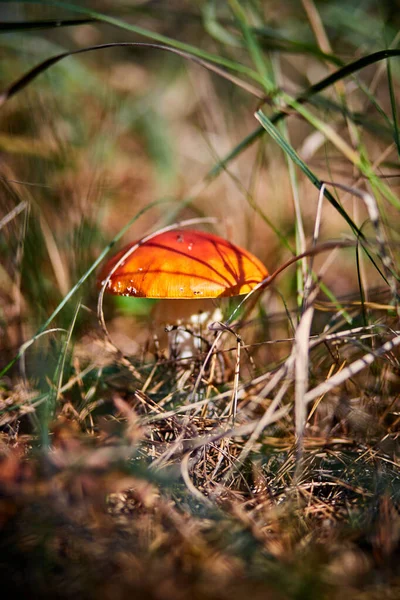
point(99, 136)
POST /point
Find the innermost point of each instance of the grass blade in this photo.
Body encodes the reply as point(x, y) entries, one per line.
point(291, 152)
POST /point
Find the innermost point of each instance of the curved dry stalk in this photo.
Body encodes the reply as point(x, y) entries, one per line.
point(311, 252)
point(373, 212)
point(124, 257)
point(26, 345)
point(233, 403)
point(189, 484)
point(23, 81)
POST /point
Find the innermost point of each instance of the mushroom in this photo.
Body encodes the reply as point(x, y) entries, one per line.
point(182, 264)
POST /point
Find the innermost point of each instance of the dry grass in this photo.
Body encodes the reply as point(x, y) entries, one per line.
point(254, 454)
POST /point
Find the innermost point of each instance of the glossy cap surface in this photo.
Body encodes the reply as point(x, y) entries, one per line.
point(184, 264)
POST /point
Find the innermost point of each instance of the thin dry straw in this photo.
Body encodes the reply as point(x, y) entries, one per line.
point(270, 415)
point(352, 369)
point(302, 350)
point(373, 212)
point(301, 345)
point(346, 335)
point(232, 407)
point(267, 281)
point(331, 245)
point(298, 360)
point(317, 225)
point(199, 442)
point(203, 442)
point(13, 213)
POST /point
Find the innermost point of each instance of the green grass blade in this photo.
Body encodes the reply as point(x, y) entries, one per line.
point(252, 46)
point(157, 37)
point(393, 105)
point(84, 277)
point(213, 27)
point(291, 152)
point(321, 85)
point(237, 150)
point(13, 26)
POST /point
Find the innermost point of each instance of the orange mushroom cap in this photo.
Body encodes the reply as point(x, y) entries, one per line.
point(184, 263)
